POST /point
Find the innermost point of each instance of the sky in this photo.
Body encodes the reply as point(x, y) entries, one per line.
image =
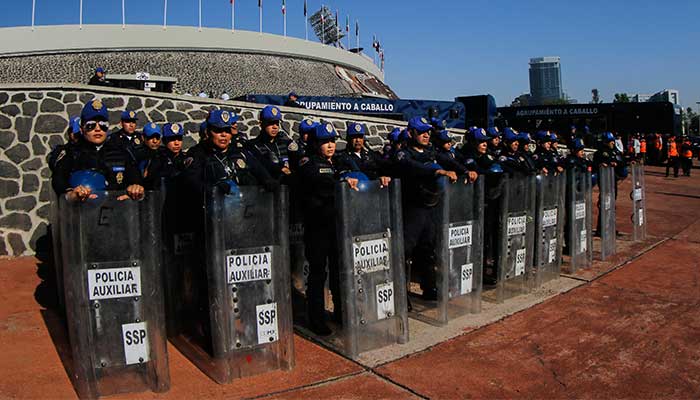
point(442, 49)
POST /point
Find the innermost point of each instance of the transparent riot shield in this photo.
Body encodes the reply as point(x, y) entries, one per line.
point(372, 274)
point(56, 250)
point(579, 219)
point(606, 209)
point(239, 316)
point(459, 263)
point(638, 195)
point(299, 264)
point(515, 242)
point(113, 294)
point(549, 227)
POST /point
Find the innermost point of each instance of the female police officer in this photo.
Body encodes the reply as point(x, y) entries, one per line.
point(319, 175)
point(95, 163)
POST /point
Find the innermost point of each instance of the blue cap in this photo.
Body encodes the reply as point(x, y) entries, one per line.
point(393, 136)
point(356, 130)
point(99, 69)
point(403, 136)
point(94, 110)
point(270, 113)
point(510, 135)
point(542, 136)
point(325, 132)
point(438, 123)
point(553, 137)
point(129, 115)
point(151, 129)
point(493, 132)
point(443, 136)
point(608, 137)
point(75, 125)
point(293, 94)
point(577, 145)
point(203, 129)
point(220, 119)
point(172, 130)
point(420, 124)
point(307, 126)
point(524, 138)
point(479, 135)
point(91, 179)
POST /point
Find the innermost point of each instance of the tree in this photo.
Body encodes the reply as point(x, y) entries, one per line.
point(595, 96)
point(621, 98)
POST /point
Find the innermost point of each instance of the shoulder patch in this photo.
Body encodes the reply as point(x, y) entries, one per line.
point(188, 162)
point(293, 146)
point(325, 170)
point(303, 161)
point(401, 155)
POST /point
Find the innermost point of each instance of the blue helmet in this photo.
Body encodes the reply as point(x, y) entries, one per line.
point(92, 180)
point(510, 135)
point(622, 171)
point(594, 179)
point(608, 137)
point(495, 169)
point(493, 132)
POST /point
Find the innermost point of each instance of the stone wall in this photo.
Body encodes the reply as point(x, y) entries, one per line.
point(212, 72)
point(34, 119)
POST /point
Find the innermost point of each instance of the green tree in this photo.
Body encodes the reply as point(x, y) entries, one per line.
point(621, 98)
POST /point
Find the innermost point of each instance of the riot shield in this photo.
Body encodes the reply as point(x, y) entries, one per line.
point(56, 250)
point(579, 219)
point(515, 242)
point(299, 264)
point(372, 277)
point(113, 294)
point(606, 209)
point(549, 227)
point(459, 263)
point(238, 317)
point(639, 209)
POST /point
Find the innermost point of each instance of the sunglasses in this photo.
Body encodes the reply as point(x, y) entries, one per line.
point(220, 130)
point(92, 125)
point(154, 136)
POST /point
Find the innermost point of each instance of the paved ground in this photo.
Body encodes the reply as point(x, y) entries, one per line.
point(628, 328)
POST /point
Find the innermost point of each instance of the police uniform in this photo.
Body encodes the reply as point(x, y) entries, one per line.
point(608, 156)
point(450, 159)
point(319, 177)
point(518, 162)
point(121, 137)
point(421, 193)
point(109, 160)
point(73, 138)
point(223, 168)
point(366, 160)
point(273, 152)
point(165, 163)
point(543, 158)
point(494, 149)
point(297, 149)
point(582, 164)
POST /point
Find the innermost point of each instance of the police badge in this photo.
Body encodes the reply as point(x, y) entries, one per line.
point(132, 114)
point(293, 146)
point(225, 116)
point(423, 120)
point(97, 105)
point(153, 125)
point(240, 163)
point(358, 128)
point(274, 111)
point(329, 128)
point(137, 140)
point(120, 178)
point(175, 128)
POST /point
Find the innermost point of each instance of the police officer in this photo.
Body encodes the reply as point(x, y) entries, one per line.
point(319, 175)
point(543, 156)
point(513, 160)
point(271, 146)
point(298, 148)
point(220, 163)
point(390, 146)
point(421, 193)
point(168, 161)
point(357, 157)
point(494, 135)
point(94, 163)
point(151, 142)
point(607, 155)
point(127, 135)
point(73, 137)
point(239, 139)
point(576, 160)
point(476, 153)
point(449, 159)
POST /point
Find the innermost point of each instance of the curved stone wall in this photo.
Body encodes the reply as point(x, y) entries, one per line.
point(34, 119)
